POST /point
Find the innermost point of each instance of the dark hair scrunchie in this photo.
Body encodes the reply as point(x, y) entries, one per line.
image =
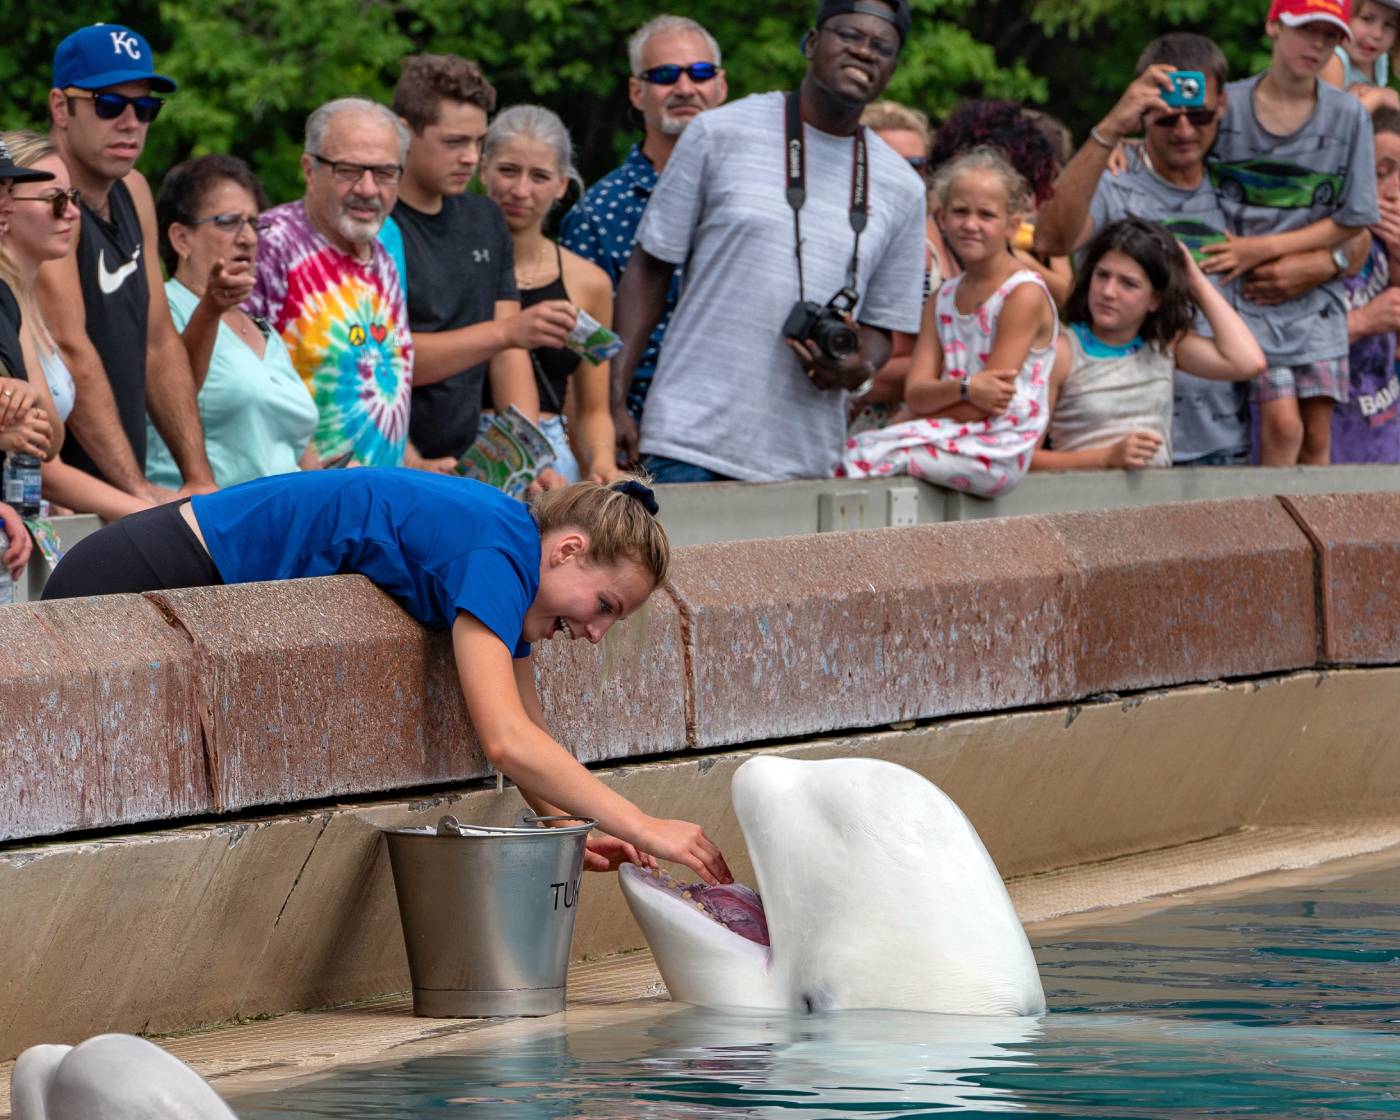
point(643, 494)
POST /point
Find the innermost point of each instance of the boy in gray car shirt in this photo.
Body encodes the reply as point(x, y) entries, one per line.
point(1293, 165)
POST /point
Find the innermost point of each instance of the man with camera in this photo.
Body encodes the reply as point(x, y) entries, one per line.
point(801, 235)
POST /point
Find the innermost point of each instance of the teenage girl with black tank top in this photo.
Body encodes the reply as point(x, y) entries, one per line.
point(527, 162)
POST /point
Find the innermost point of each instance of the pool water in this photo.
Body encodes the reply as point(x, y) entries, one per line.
point(1284, 1003)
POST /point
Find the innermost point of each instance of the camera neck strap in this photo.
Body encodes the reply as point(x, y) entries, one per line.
point(796, 169)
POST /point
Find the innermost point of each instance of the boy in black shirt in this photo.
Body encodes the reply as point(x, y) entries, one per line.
point(463, 305)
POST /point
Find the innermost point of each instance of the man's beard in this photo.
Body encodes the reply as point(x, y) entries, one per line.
point(358, 230)
point(674, 126)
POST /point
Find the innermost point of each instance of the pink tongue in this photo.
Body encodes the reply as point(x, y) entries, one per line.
point(735, 906)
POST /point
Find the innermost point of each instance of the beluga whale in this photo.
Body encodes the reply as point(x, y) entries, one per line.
point(110, 1077)
point(874, 892)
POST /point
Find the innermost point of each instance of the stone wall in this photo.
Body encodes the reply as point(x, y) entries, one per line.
point(128, 710)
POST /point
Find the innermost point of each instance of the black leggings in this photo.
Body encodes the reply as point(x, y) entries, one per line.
point(153, 550)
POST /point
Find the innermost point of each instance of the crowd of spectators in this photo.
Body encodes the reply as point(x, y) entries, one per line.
point(805, 283)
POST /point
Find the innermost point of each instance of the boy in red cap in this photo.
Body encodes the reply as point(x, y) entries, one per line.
point(1293, 164)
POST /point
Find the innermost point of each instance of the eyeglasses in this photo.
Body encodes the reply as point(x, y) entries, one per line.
point(58, 201)
point(852, 37)
point(671, 74)
point(230, 223)
point(1198, 118)
point(109, 106)
point(385, 174)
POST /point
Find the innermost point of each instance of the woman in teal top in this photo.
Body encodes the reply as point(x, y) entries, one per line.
point(258, 417)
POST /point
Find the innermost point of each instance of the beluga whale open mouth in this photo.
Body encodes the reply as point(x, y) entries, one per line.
point(874, 891)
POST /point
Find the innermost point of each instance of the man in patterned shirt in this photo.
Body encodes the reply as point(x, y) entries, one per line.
point(675, 76)
point(332, 291)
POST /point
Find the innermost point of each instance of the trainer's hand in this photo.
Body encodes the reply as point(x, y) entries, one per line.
point(608, 853)
point(546, 324)
point(683, 842)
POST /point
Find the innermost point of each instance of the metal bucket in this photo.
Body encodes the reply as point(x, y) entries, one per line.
point(488, 914)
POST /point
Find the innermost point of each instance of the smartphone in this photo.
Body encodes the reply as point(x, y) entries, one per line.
point(1188, 89)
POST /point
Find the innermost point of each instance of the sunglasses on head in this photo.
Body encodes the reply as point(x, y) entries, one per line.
point(58, 201)
point(671, 74)
point(109, 106)
point(1198, 118)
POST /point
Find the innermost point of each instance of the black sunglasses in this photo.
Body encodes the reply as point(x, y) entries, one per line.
point(1199, 118)
point(109, 106)
point(58, 202)
point(671, 74)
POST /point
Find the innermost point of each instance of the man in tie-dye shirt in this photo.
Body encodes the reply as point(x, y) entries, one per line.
point(332, 291)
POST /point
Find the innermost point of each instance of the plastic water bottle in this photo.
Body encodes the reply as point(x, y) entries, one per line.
point(7, 587)
point(22, 482)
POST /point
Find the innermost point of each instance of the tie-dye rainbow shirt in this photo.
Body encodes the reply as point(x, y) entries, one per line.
point(345, 323)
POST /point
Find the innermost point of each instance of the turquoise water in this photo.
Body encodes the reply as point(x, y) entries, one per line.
point(1284, 1003)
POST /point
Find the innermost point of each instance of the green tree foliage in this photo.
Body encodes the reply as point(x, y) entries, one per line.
point(250, 70)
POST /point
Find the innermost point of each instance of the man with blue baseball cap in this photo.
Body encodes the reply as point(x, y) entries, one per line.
point(105, 301)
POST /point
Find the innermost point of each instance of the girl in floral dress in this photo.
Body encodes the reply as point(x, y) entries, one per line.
point(981, 369)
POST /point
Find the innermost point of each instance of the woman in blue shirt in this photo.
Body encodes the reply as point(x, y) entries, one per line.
point(457, 555)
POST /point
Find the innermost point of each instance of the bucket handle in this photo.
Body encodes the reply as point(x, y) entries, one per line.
point(450, 826)
point(533, 818)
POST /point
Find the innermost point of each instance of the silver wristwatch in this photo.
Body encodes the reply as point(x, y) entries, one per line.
point(1341, 259)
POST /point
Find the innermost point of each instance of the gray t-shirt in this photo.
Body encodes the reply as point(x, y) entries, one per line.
point(729, 395)
point(1208, 417)
point(1273, 184)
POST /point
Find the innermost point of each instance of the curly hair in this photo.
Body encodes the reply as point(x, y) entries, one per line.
point(427, 80)
point(1158, 254)
point(1003, 125)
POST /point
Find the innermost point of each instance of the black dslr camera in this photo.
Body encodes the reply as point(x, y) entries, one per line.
point(827, 326)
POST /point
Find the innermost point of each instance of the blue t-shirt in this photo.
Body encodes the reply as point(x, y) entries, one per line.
point(436, 543)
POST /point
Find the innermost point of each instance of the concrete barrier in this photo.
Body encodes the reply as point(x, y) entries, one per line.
point(99, 724)
point(218, 700)
point(1357, 540)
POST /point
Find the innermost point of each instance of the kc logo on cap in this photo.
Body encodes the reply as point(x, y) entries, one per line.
point(103, 55)
point(1296, 13)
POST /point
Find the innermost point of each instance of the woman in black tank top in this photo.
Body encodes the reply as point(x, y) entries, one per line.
point(527, 162)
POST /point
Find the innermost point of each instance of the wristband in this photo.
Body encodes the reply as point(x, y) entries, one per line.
point(863, 388)
point(1097, 137)
point(962, 387)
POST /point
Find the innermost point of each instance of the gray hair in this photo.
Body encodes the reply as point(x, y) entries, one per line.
point(664, 25)
point(537, 123)
point(320, 120)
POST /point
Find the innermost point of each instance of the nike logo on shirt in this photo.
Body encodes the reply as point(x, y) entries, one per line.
point(108, 280)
